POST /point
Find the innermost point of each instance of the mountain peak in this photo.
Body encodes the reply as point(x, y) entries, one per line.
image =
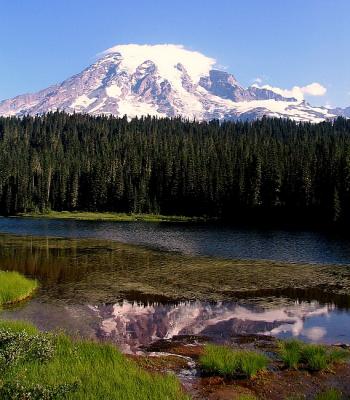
point(161, 80)
point(165, 56)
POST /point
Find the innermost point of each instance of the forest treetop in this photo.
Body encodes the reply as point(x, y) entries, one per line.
point(270, 169)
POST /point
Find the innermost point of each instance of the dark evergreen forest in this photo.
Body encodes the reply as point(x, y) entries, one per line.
point(267, 170)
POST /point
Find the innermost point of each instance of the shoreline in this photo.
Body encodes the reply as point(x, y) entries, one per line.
point(111, 216)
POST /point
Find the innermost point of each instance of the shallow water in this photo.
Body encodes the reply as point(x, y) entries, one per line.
point(81, 282)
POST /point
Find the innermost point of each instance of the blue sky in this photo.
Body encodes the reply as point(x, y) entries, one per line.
point(283, 43)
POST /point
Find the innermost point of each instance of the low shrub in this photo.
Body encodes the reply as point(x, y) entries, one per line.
point(224, 361)
point(18, 391)
point(21, 346)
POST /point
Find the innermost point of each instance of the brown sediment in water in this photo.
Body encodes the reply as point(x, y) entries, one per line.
point(101, 271)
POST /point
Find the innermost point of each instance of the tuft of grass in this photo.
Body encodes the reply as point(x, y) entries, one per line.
point(329, 394)
point(290, 352)
point(14, 287)
point(46, 366)
point(314, 357)
point(224, 361)
point(318, 357)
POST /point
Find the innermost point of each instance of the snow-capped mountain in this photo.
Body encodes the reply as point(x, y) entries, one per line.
point(162, 80)
point(342, 112)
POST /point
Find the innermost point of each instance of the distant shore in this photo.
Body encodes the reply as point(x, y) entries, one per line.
point(111, 216)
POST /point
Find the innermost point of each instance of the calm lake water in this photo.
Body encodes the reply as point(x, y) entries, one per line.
point(193, 239)
point(79, 283)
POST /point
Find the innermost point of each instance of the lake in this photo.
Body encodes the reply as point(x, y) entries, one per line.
point(90, 281)
point(196, 239)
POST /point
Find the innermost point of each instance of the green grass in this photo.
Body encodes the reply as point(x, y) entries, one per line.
point(314, 357)
point(329, 394)
point(18, 326)
point(14, 287)
point(55, 367)
point(224, 361)
point(290, 353)
point(110, 216)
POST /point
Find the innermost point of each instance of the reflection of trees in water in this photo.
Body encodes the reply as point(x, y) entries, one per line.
point(59, 260)
point(96, 271)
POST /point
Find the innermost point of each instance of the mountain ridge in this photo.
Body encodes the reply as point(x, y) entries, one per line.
point(162, 81)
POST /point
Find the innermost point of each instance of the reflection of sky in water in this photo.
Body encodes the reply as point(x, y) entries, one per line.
point(309, 246)
point(329, 327)
point(130, 325)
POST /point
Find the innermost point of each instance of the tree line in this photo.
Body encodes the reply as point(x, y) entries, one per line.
point(266, 170)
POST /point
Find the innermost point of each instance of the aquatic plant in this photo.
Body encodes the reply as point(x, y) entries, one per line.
point(225, 361)
point(56, 367)
point(15, 287)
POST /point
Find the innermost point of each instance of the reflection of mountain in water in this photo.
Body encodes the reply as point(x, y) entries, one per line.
point(131, 325)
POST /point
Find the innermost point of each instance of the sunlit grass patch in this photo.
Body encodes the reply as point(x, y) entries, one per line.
point(15, 287)
point(224, 361)
point(53, 366)
point(111, 216)
point(18, 326)
point(315, 357)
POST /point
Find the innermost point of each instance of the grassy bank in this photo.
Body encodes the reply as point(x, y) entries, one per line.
point(111, 216)
point(14, 287)
point(46, 366)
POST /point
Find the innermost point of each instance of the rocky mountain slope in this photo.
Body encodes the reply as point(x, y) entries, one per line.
point(162, 80)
